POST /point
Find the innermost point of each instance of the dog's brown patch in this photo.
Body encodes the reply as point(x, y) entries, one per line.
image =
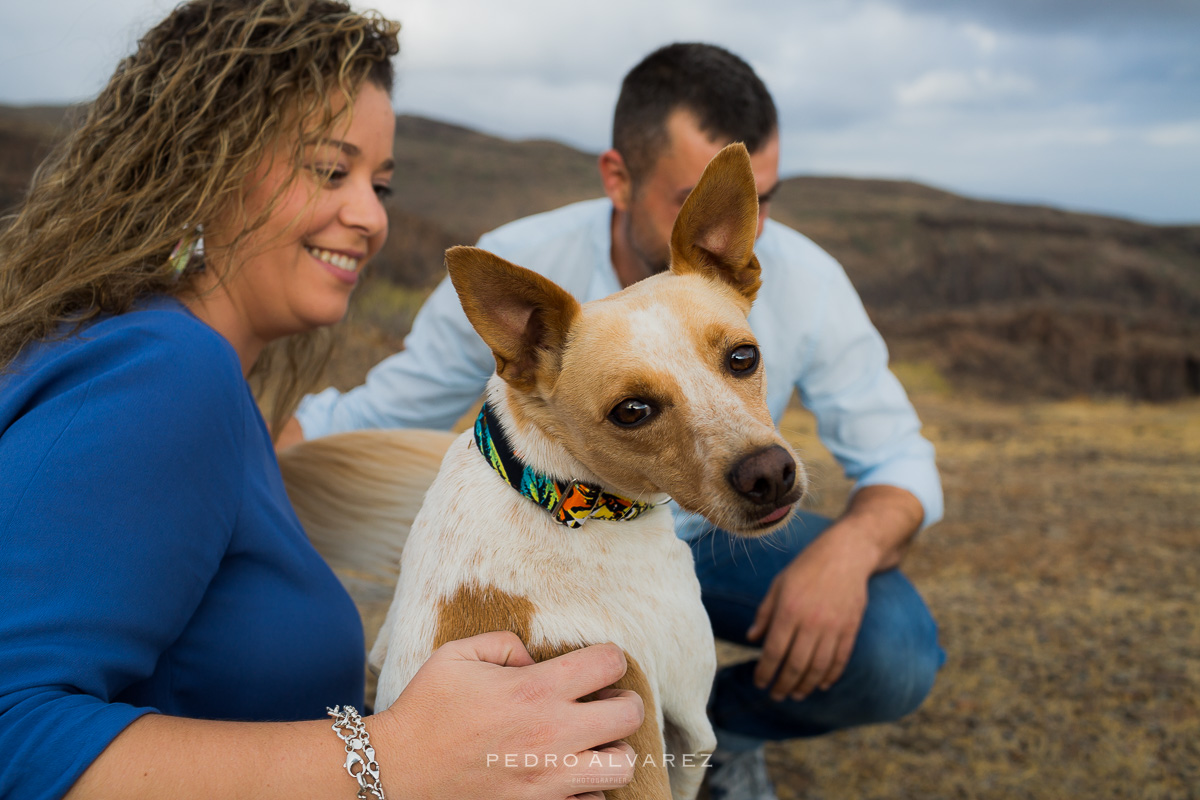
point(650, 773)
point(473, 610)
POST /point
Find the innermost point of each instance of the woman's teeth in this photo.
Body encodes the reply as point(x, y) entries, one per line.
point(335, 259)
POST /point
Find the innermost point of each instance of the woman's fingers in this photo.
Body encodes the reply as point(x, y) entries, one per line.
point(610, 719)
point(502, 648)
point(495, 724)
point(599, 770)
point(584, 671)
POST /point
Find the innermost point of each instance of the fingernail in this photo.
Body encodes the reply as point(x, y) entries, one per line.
point(799, 696)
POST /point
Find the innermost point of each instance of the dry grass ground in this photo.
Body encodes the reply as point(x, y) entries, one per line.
point(1064, 580)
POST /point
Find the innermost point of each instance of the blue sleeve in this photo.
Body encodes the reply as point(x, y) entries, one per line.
point(120, 480)
point(864, 416)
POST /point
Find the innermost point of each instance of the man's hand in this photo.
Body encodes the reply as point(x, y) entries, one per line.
point(811, 617)
point(814, 608)
point(469, 725)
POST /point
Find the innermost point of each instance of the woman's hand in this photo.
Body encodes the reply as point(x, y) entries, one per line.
point(481, 719)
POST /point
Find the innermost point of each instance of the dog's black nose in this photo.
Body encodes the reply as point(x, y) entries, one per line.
point(765, 476)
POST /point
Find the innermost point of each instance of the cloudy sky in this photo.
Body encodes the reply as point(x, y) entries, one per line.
point(1082, 104)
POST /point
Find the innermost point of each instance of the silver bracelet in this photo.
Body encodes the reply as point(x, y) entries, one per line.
point(349, 727)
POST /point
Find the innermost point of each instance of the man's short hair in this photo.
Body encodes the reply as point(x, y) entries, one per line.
point(728, 99)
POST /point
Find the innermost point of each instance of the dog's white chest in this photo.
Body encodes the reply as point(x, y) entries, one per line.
point(631, 583)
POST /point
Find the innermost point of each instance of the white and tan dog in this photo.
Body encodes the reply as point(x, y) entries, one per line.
point(548, 519)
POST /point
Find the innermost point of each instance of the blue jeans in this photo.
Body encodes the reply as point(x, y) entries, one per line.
point(891, 669)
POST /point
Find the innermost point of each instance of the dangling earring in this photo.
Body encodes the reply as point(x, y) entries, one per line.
point(189, 247)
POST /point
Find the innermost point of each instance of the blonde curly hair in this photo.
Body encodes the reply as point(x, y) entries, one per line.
point(170, 142)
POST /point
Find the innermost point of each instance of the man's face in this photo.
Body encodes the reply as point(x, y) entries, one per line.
point(655, 198)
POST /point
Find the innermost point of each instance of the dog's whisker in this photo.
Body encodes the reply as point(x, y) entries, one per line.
point(774, 540)
point(746, 547)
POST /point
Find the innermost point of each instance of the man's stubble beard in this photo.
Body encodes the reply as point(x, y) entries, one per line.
point(648, 263)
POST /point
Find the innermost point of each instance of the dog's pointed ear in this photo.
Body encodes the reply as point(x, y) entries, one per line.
point(523, 317)
point(715, 230)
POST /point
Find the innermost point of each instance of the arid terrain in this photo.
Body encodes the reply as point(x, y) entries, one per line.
point(1055, 361)
point(1064, 580)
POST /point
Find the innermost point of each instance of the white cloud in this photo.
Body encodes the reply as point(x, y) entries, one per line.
point(1183, 134)
point(987, 41)
point(955, 87)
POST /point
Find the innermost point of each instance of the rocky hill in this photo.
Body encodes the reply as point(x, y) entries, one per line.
point(1014, 299)
point(1006, 300)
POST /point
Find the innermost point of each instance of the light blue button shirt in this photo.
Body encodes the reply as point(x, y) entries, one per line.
point(810, 324)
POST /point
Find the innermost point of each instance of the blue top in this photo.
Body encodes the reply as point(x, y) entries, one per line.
point(149, 557)
point(815, 337)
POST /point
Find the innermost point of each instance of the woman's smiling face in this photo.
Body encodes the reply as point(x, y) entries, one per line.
point(296, 271)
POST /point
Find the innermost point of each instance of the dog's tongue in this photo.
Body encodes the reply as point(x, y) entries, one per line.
point(775, 516)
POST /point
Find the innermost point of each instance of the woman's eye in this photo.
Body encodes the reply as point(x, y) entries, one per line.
point(383, 191)
point(631, 412)
point(743, 360)
point(329, 173)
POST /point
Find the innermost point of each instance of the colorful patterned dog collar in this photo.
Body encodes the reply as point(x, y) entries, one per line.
point(569, 504)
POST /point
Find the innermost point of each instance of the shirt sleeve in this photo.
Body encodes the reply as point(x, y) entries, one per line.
point(431, 383)
point(120, 482)
point(863, 414)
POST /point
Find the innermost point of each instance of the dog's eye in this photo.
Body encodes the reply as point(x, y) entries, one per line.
point(743, 360)
point(630, 412)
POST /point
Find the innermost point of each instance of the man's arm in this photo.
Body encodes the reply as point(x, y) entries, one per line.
point(812, 613)
point(431, 383)
point(445, 366)
point(880, 522)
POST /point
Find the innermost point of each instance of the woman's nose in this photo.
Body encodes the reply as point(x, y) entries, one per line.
point(363, 210)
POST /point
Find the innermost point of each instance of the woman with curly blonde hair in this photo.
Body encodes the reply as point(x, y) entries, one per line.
point(166, 628)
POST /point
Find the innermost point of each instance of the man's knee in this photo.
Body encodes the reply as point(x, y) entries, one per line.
point(898, 684)
point(897, 656)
